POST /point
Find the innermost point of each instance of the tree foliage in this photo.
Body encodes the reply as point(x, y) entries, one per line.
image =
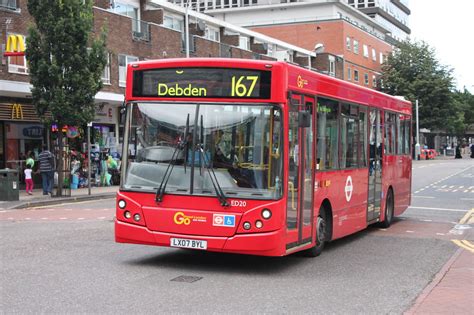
point(464, 119)
point(414, 72)
point(65, 65)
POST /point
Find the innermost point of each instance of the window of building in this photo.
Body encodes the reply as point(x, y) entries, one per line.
point(381, 58)
point(360, 4)
point(374, 54)
point(366, 79)
point(106, 74)
point(17, 64)
point(356, 75)
point(332, 66)
point(390, 134)
point(124, 9)
point(366, 51)
point(348, 43)
point(349, 74)
point(374, 81)
point(244, 42)
point(124, 60)
point(356, 47)
point(212, 33)
point(328, 134)
point(8, 4)
point(174, 22)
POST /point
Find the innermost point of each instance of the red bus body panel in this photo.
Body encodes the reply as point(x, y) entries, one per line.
point(167, 219)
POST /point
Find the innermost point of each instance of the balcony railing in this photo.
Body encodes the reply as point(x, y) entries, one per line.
point(140, 30)
point(8, 4)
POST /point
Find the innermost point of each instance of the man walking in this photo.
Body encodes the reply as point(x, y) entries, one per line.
point(46, 167)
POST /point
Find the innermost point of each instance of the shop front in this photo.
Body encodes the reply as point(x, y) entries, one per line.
point(21, 133)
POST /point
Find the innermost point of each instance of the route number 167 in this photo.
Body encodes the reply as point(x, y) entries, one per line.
point(240, 85)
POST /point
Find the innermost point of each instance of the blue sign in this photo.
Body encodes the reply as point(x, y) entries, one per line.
point(33, 132)
point(229, 220)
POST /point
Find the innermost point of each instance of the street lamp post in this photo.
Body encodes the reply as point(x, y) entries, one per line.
point(89, 125)
point(417, 145)
point(186, 29)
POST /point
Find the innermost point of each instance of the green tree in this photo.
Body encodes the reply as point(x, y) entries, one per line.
point(414, 72)
point(65, 64)
point(464, 119)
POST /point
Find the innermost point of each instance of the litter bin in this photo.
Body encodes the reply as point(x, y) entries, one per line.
point(9, 185)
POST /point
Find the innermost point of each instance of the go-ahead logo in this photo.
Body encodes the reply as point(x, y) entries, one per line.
point(181, 218)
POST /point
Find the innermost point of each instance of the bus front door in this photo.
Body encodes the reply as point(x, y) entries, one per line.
point(299, 209)
point(375, 166)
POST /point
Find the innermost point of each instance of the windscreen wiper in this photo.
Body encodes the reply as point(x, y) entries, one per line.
point(179, 148)
point(212, 175)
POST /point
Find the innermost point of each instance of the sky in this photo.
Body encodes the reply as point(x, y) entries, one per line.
point(448, 27)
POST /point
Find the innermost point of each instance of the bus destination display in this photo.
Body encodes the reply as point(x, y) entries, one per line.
point(202, 83)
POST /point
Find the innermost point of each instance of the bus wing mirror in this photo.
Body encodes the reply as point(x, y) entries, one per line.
point(304, 119)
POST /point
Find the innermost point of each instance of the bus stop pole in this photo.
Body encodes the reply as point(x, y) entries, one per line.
point(417, 145)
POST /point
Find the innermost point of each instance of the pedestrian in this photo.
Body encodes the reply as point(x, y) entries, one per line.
point(46, 167)
point(28, 180)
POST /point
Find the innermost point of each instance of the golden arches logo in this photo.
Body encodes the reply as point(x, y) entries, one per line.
point(17, 111)
point(15, 45)
point(181, 218)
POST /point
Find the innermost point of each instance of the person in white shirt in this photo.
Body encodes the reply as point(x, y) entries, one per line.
point(28, 180)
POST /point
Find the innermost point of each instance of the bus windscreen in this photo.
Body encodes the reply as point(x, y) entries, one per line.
point(202, 83)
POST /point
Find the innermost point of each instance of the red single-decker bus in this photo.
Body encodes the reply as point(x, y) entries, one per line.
point(257, 157)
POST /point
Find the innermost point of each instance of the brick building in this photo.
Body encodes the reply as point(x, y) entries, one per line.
point(137, 30)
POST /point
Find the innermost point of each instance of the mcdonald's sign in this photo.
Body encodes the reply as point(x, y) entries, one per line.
point(15, 46)
point(17, 111)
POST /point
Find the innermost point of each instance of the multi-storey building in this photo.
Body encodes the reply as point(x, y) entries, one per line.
point(137, 30)
point(355, 35)
point(393, 14)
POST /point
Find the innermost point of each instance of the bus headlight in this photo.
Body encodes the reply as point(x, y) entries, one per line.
point(266, 214)
point(258, 224)
point(136, 217)
point(122, 204)
point(127, 214)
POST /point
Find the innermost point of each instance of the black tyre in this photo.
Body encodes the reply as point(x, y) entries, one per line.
point(389, 209)
point(322, 235)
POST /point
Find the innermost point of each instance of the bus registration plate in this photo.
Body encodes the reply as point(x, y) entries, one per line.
point(185, 243)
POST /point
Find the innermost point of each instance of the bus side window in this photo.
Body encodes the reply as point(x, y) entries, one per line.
point(328, 134)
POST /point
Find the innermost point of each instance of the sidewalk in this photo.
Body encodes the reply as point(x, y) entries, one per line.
point(38, 199)
point(452, 289)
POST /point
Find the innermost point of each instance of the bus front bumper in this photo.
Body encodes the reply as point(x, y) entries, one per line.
point(264, 244)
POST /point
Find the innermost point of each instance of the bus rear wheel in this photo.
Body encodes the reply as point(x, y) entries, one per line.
point(321, 234)
point(389, 207)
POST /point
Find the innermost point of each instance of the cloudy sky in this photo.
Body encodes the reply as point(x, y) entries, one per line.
point(448, 27)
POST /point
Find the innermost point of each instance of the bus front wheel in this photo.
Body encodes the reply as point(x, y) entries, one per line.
point(321, 234)
point(389, 207)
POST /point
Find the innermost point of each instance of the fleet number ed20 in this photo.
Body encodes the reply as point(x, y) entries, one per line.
point(239, 86)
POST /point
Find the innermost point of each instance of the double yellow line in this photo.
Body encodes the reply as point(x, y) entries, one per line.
point(468, 218)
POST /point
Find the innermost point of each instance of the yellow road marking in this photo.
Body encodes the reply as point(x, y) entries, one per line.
point(468, 218)
point(468, 246)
